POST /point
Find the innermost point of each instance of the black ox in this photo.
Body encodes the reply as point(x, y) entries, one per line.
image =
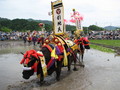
point(32, 62)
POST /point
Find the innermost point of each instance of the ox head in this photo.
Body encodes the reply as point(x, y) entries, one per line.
point(30, 62)
point(85, 42)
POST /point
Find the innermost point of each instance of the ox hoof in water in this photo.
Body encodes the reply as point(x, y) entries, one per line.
point(83, 65)
point(75, 69)
point(43, 83)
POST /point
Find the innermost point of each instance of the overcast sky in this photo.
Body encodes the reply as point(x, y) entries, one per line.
point(97, 12)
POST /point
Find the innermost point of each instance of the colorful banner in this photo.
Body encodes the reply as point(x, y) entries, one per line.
point(76, 18)
point(58, 17)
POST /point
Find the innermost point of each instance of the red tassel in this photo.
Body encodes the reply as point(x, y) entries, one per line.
point(60, 48)
point(35, 55)
point(34, 67)
point(22, 61)
point(26, 61)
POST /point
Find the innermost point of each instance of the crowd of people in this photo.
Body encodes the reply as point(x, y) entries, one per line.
point(10, 36)
point(28, 37)
point(37, 36)
point(107, 35)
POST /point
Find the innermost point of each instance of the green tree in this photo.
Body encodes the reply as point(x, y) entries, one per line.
point(32, 25)
point(5, 29)
point(70, 28)
point(85, 29)
point(22, 25)
point(95, 28)
point(0, 26)
point(18, 24)
point(5, 23)
point(48, 27)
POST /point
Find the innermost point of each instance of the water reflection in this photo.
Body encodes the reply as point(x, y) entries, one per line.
point(15, 47)
point(10, 69)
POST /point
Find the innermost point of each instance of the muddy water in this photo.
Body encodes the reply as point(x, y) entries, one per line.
point(101, 72)
point(10, 69)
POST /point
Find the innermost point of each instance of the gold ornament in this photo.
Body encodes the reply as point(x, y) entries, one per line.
point(59, 44)
point(56, 40)
point(47, 41)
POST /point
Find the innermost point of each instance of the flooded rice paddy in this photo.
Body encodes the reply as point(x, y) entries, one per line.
point(101, 71)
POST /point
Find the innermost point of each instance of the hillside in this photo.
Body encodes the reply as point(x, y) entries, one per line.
point(27, 24)
point(41, 21)
point(111, 27)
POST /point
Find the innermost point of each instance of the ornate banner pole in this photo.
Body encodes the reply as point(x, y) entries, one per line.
point(77, 18)
point(58, 17)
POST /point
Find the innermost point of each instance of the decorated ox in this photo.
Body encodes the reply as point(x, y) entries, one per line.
point(54, 55)
point(83, 44)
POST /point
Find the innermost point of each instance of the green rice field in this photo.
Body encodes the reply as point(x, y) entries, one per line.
point(113, 43)
point(103, 49)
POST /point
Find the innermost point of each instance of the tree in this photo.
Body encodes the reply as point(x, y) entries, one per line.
point(48, 27)
point(18, 24)
point(31, 25)
point(5, 29)
point(85, 29)
point(95, 28)
point(22, 25)
point(5, 23)
point(70, 28)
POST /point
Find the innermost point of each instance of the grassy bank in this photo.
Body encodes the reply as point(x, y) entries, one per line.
point(112, 43)
point(115, 43)
point(103, 49)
